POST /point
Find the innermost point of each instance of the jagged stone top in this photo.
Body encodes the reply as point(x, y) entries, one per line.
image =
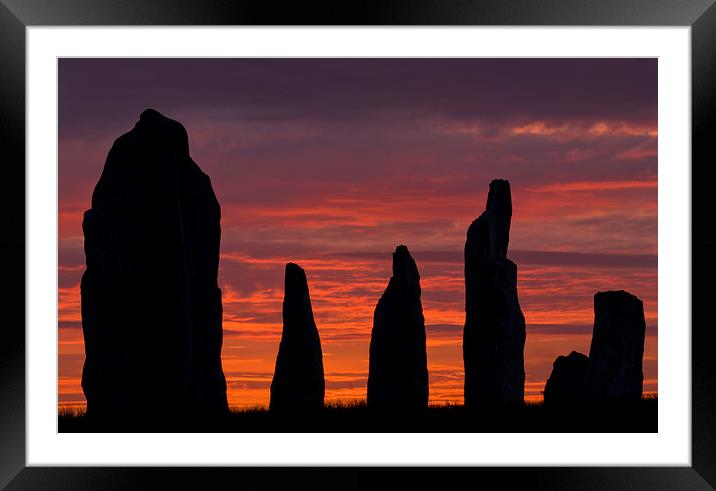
point(499, 200)
point(404, 267)
point(147, 158)
point(573, 357)
point(619, 297)
point(618, 308)
point(164, 130)
point(616, 353)
point(489, 234)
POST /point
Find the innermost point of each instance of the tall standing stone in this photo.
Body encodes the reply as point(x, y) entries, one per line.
point(298, 382)
point(398, 369)
point(614, 370)
point(494, 334)
point(151, 305)
point(565, 385)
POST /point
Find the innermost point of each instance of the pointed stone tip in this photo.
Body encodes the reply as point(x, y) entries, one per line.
point(295, 282)
point(402, 250)
point(156, 124)
point(293, 269)
point(150, 113)
point(152, 118)
point(404, 266)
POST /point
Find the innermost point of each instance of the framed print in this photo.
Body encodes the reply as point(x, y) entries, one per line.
point(469, 236)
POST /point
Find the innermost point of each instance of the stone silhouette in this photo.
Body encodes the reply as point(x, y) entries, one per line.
point(614, 370)
point(398, 369)
point(151, 306)
point(494, 334)
point(298, 383)
point(565, 385)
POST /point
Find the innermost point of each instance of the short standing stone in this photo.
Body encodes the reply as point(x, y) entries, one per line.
point(614, 370)
point(566, 383)
point(398, 370)
point(298, 382)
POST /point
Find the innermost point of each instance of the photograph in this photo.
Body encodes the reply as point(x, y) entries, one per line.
point(403, 243)
point(357, 245)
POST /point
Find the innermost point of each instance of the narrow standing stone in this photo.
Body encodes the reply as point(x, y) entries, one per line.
point(494, 334)
point(398, 369)
point(298, 382)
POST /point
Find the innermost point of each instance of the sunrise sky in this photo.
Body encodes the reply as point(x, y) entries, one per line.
point(331, 163)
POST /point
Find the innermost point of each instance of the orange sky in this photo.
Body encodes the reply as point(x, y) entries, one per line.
point(556, 298)
point(336, 193)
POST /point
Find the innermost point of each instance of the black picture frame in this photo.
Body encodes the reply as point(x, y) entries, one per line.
point(16, 15)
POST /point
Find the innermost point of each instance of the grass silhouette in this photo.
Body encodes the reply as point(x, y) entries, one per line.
point(355, 417)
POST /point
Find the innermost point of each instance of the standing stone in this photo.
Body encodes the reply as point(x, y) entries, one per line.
point(298, 382)
point(398, 368)
point(614, 370)
point(565, 385)
point(494, 334)
point(151, 306)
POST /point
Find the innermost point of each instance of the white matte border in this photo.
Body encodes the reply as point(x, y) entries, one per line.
point(670, 446)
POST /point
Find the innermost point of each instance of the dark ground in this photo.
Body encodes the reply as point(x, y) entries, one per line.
point(624, 417)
